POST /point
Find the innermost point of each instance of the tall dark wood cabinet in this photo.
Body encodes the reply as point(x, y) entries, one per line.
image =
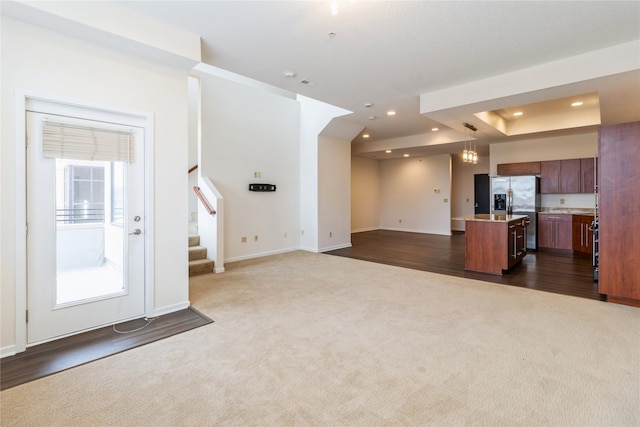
point(619, 213)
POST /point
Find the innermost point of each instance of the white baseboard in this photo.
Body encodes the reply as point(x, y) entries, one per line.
point(170, 309)
point(408, 230)
point(260, 255)
point(362, 230)
point(333, 248)
point(218, 270)
point(7, 351)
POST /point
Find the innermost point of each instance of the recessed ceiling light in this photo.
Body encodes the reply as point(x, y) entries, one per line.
point(577, 104)
point(387, 151)
point(368, 105)
point(289, 74)
point(406, 155)
point(391, 113)
point(435, 129)
point(365, 135)
point(517, 113)
point(372, 117)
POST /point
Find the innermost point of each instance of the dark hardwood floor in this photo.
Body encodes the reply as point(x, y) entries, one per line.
point(543, 271)
point(55, 356)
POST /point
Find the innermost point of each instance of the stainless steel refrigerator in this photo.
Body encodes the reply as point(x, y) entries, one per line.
point(518, 195)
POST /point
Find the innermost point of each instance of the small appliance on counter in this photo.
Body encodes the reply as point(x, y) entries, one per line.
point(518, 195)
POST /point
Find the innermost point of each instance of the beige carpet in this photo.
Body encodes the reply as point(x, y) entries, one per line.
point(310, 339)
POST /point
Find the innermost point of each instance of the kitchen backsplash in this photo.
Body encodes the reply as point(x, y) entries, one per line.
point(579, 201)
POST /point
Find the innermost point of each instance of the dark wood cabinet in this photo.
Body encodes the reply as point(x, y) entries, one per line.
point(555, 232)
point(582, 234)
point(587, 175)
point(524, 168)
point(550, 176)
point(495, 246)
point(619, 213)
point(517, 241)
point(567, 176)
point(560, 176)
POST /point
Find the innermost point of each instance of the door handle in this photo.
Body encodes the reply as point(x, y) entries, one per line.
point(137, 231)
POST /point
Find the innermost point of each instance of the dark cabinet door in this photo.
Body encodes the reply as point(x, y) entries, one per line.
point(546, 231)
point(582, 235)
point(587, 175)
point(564, 233)
point(569, 176)
point(555, 231)
point(550, 176)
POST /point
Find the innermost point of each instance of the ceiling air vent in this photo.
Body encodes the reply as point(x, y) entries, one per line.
point(305, 81)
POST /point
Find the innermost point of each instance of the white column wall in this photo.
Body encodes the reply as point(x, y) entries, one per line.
point(44, 62)
point(334, 193)
point(314, 117)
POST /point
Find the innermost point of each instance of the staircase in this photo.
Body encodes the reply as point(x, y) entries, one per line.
point(198, 262)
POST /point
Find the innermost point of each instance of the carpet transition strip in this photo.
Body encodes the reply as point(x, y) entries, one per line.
point(59, 355)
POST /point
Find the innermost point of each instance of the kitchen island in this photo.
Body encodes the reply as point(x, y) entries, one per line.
point(494, 244)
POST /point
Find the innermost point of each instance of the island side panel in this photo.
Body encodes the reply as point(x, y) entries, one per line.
point(486, 246)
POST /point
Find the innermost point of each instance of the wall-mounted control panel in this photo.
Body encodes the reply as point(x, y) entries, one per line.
point(262, 187)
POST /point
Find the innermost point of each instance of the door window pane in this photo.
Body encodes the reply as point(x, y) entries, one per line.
point(89, 252)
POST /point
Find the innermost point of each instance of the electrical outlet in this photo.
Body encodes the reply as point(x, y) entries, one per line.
point(331, 234)
point(255, 238)
point(244, 239)
point(285, 234)
point(562, 201)
point(446, 200)
point(400, 221)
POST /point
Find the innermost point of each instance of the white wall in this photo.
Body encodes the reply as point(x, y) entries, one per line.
point(334, 193)
point(571, 146)
point(45, 62)
point(248, 131)
point(415, 194)
point(365, 194)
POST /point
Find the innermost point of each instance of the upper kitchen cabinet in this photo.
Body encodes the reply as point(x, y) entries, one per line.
point(587, 175)
point(619, 213)
point(524, 168)
point(567, 176)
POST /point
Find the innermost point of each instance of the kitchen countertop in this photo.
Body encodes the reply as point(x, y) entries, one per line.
point(568, 211)
point(489, 218)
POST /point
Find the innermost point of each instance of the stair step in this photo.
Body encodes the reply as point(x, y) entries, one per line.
point(200, 266)
point(197, 252)
point(194, 240)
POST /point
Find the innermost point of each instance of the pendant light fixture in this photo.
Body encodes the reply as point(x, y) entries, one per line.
point(469, 155)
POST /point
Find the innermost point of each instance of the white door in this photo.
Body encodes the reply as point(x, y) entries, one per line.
point(86, 225)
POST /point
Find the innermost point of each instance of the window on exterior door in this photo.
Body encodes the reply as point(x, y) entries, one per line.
point(84, 191)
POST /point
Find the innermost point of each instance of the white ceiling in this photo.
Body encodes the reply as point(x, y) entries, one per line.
point(388, 53)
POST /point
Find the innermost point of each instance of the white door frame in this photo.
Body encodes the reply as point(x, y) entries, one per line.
point(146, 121)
